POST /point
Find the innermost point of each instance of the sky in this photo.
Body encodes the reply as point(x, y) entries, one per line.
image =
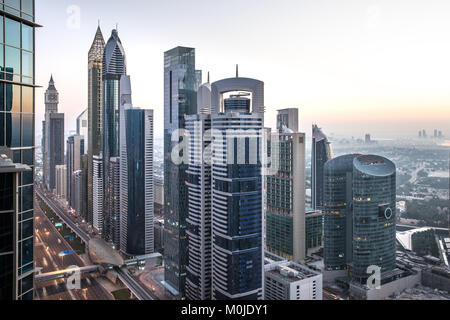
point(351, 66)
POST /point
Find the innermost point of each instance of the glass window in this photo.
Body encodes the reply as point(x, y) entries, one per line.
point(27, 7)
point(27, 177)
point(2, 97)
point(27, 130)
point(13, 130)
point(12, 98)
point(12, 32)
point(15, 4)
point(2, 129)
point(6, 192)
point(27, 198)
point(27, 157)
point(27, 229)
point(12, 60)
point(27, 64)
point(27, 251)
point(1, 29)
point(27, 37)
point(27, 283)
point(2, 58)
point(27, 99)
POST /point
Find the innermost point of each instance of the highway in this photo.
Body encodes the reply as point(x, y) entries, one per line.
point(49, 243)
point(67, 220)
point(134, 286)
point(123, 274)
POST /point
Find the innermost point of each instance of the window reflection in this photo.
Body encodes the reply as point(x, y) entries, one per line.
point(12, 32)
point(27, 99)
point(27, 130)
point(12, 98)
point(12, 130)
point(12, 60)
point(27, 64)
point(27, 37)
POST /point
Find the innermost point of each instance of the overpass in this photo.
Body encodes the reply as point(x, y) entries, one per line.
point(138, 291)
point(63, 274)
point(64, 217)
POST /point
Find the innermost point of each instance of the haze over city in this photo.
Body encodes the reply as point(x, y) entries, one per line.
point(354, 67)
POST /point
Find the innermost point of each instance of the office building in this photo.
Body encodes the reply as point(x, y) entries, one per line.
point(287, 118)
point(159, 191)
point(17, 123)
point(61, 181)
point(113, 233)
point(198, 280)
point(286, 280)
point(82, 128)
point(97, 189)
point(53, 138)
point(360, 210)
point(237, 189)
point(285, 215)
point(374, 215)
point(113, 68)
point(180, 99)
point(75, 151)
point(95, 105)
point(314, 231)
point(321, 152)
point(136, 177)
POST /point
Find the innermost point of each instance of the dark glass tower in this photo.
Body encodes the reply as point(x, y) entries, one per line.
point(338, 211)
point(113, 67)
point(374, 215)
point(320, 153)
point(17, 108)
point(180, 99)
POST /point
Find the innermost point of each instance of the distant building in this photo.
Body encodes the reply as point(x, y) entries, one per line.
point(61, 181)
point(287, 118)
point(314, 231)
point(82, 128)
point(159, 191)
point(368, 139)
point(113, 184)
point(75, 151)
point(321, 152)
point(97, 188)
point(285, 280)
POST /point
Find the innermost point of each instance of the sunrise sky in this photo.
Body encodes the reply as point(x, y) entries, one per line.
point(352, 66)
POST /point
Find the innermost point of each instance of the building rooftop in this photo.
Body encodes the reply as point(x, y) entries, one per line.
point(8, 166)
point(292, 272)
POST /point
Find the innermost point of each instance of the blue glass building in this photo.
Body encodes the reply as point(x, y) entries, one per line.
point(17, 90)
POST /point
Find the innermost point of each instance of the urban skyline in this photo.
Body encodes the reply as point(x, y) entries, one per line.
point(354, 76)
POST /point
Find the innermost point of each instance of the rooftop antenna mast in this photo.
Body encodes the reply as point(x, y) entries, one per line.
point(237, 71)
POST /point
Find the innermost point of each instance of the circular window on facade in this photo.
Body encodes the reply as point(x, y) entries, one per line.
point(388, 213)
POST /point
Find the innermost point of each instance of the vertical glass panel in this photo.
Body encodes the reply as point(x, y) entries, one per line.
point(27, 64)
point(12, 32)
point(27, 99)
point(27, 37)
point(2, 96)
point(13, 130)
point(27, 177)
point(6, 231)
point(27, 130)
point(14, 4)
point(27, 229)
point(6, 192)
point(2, 58)
point(27, 157)
point(12, 60)
point(2, 129)
point(27, 7)
point(27, 198)
point(12, 97)
point(27, 251)
point(1, 29)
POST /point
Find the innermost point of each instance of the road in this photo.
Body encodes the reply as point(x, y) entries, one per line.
point(49, 243)
point(134, 286)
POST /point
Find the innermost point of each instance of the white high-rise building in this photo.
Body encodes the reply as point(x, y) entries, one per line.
point(97, 189)
point(61, 181)
point(82, 128)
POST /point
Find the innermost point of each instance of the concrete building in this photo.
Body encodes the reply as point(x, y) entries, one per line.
point(82, 128)
point(97, 188)
point(287, 118)
point(321, 152)
point(285, 215)
point(285, 280)
point(159, 191)
point(61, 181)
point(75, 151)
point(113, 231)
point(313, 231)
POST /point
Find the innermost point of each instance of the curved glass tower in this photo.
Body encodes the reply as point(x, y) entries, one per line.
point(113, 67)
point(337, 208)
point(374, 212)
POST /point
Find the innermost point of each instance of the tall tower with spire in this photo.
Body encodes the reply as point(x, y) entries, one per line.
point(113, 68)
point(95, 67)
point(53, 136)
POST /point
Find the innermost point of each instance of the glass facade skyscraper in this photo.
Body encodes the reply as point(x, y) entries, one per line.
point(17, 108)
point(180, 99)
point(113, 67)
point(321, 152)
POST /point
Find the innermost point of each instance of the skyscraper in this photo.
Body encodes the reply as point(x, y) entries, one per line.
point(17, 90)
point(374, 215)
point(97, 193)
point(75, 150)
point(113, 183)
point(136, 176)
point(61, 181)
point(180, 99)
point(321, 152)
point(113, 67)
point(95, 104)
point(237, 189)
point(82, 128)
point(285, 216)
point(287, 118)
point(53, 136)
point(198, 279)
point(360, 210)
